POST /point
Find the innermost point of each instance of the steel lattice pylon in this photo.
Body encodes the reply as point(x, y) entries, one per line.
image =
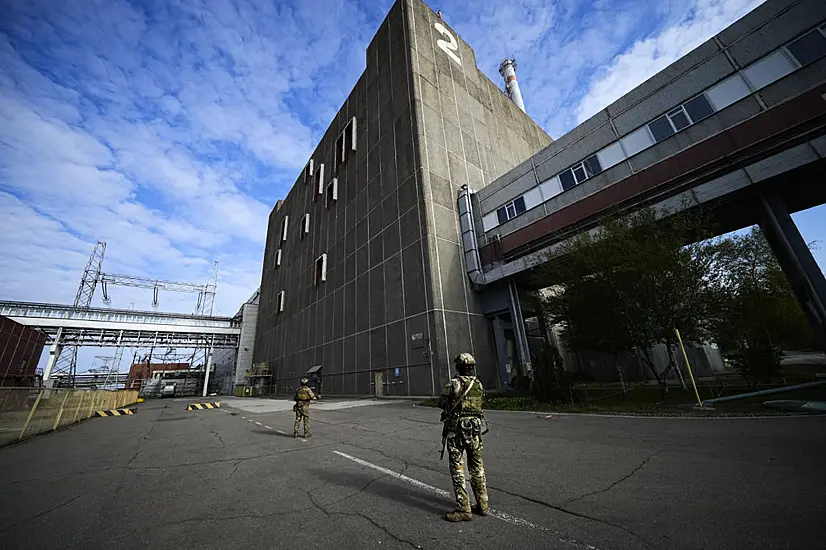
point(206, 302)
point(66, 360)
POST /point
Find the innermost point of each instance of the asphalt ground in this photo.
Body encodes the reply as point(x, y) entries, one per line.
point(370, 477)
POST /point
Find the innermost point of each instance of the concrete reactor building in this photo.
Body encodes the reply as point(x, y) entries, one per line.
point(363, 271)
point(411, 233)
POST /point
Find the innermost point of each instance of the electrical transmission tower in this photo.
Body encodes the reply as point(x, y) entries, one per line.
point(65, 363)
point(206, 302)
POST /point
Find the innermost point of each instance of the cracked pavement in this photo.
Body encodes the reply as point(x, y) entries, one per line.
point(167, 478)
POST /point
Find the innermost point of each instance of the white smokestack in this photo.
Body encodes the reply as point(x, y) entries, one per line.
point(508, 70)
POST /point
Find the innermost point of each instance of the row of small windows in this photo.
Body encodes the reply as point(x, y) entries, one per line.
point(808, 48)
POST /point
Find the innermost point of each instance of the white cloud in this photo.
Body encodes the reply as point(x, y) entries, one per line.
point(649, 55)
point(150, 127)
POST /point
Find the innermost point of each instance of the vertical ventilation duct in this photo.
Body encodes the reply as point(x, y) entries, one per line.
point(469, 243)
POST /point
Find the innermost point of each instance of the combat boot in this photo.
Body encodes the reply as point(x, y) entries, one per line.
point(308, 434)
point(480, 509)
point(459, 515)
point(295, 435)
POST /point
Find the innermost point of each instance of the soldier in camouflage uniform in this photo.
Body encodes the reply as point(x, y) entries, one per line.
point(461, 403)
point(303, 396)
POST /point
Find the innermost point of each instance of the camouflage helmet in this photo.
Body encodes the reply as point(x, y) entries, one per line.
point(304, 381)
point(464, 360)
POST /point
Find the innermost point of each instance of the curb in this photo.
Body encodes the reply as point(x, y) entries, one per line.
point(115, 412)
point(202, 406)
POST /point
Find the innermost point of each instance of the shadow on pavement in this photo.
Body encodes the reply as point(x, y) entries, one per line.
point(402, 494)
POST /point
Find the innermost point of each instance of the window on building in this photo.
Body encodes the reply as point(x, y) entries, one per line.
point(567, 180)
point(592, 166)
point(308, 172)
point(319, 182)
point(284, 223)
point(321, 269)
point(679, 119)
point(278, 257)
point(345, 143)
point(727, 92)
point(305, 225)
point(771, 68)
point(332, 192)
point(580, 172)
point(511, 210)
point(279, 302)
point(661, 128)
point(698, 108)
point(809, 47)
point(611, 156)
point(637, 141)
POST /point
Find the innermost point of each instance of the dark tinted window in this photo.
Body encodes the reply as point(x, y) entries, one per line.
point(592, 166)
point(699, 108)
point(502, 215)
point(519, 204)
point(661, 128)
point(808, 48)
point(566, 178)
point(679, 119)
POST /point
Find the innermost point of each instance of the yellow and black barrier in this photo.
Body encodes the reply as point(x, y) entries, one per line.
point(115, 412)
point(202, 406)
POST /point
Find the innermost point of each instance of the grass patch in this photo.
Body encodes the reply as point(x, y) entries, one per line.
point(646, 400)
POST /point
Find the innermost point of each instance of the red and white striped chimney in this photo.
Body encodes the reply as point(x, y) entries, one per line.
point(508, 70)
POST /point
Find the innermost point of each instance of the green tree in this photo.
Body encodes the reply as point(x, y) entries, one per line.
point(626, 286)
point(756, 316)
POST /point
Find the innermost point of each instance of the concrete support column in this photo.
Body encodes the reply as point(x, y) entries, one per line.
point(54, 354)
point(208, 367)
point(519, 329)
point(501, 345)
point(797, 262)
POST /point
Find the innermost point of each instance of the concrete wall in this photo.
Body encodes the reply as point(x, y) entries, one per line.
point(246, 342)
point(467, 133)
point(395, 305)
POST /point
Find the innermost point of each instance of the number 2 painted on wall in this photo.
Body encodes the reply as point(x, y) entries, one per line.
point(450, 46)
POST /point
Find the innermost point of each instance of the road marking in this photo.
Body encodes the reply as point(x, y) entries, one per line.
point(495, 513)
point(268, 427)
point(244, 417)
point(259, 423)
point(282, 432)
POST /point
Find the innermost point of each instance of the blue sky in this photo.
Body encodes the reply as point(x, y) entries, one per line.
point(169, 128)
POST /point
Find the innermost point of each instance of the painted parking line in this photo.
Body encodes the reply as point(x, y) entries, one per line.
point(503, 516)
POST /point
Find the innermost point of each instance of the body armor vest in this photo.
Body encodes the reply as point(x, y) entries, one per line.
point(471, 404)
